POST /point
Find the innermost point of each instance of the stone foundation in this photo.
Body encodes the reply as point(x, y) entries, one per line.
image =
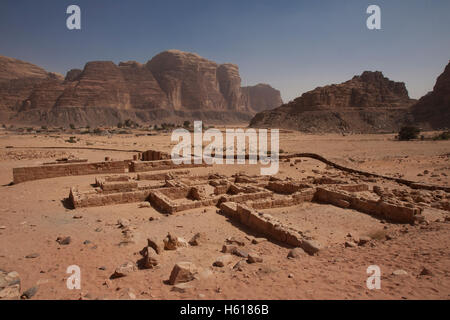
point(62, 170)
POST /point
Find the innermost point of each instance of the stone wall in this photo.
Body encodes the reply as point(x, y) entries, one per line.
point(380, 208)
point(80, 200)
point(76, 169)
point(287, 201)
point(152, 155)
point(262, 223)
point(142, 166)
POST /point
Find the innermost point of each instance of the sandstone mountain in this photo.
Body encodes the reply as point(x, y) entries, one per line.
point(172, 87)
point(17, 80)
point(432, 111)
point(367, 103)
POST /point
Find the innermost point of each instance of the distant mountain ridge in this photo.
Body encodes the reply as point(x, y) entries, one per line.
point(367, 103)
point(171, 87)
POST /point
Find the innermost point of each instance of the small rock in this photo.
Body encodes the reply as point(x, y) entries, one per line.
point(311, 246)
point(222, 261)
point(233, 240)
point(258, 240)
point(29, 293)
point(9, 279)
point(296, 253)
point(144, 205)
point(87, 242)
point(426, 272)
point(197, 239)
point(240, 253)
point(239, 265)
point(78, 216)
point(64, 241)
point(124, 270)
point(32, 255)
point(153, 243)
point(183, 272)
point(123, 223)
point(170, 242)
point(290, 275)
point(150, 259)
point(10, 292)
point(98, 230)
point(2, 227)
point(364, 240)
point(389, 236)
point(400, 272)
point(228, 248)
point(350, 244)
point(181, 242)
point(254, 258)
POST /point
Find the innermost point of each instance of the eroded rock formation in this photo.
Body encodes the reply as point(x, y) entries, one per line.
point(432, 111)
point(17, 80)
point(172, 86)
point(367, 103)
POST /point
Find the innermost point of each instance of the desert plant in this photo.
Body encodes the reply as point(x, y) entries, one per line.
point(408, 133)
point(442, 136)
point(72, 140)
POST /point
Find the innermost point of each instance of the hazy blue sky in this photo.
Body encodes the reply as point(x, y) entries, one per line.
point(293, 45)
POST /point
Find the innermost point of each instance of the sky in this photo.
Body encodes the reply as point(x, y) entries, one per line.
point(293, 45)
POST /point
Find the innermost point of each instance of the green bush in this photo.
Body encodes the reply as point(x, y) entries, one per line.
point(72, 140)
point(443, 136)
point(408, 133)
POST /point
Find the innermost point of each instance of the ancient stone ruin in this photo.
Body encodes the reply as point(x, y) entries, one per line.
point(152, 179)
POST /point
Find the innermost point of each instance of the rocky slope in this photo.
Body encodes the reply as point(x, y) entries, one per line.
point(367, 103)
point(432, 111)
point(17, 80)
point(172, 87)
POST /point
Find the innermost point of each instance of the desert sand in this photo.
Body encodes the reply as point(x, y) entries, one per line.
point(34, 214)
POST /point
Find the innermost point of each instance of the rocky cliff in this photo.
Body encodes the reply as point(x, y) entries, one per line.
point(172, 87)
point(432, 111)
point(367, 103)
point(261, 97)
point(17, 81)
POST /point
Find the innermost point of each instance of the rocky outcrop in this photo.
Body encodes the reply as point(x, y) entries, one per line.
point(367, 103)
point(171, 87)
point(432, 111)
point(17, 81)
point(189, 80)
point(261, 97)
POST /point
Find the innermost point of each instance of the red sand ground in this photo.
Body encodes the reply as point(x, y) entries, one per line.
point(33, 217)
